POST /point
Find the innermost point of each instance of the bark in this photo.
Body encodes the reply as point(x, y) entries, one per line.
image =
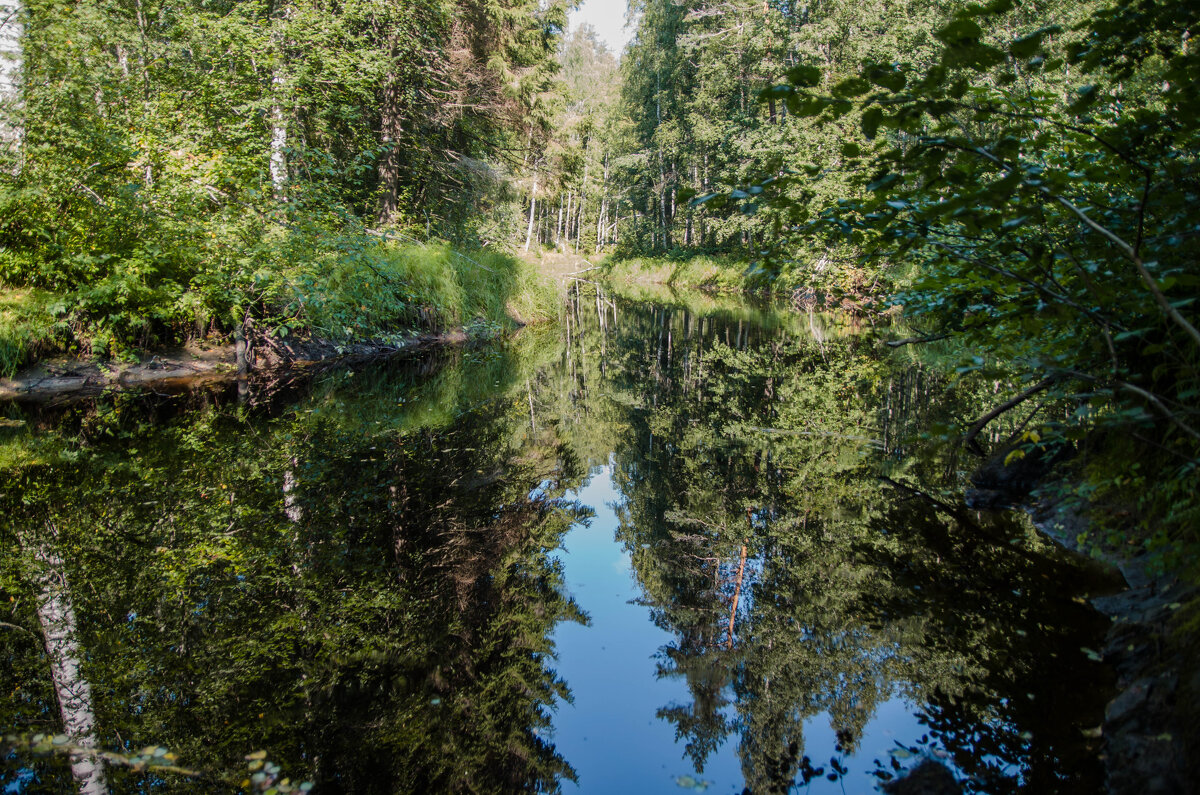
point(279, 137)
point(56, 614)
point(12, 130)
point(737, 593)
point(391, 128)
point(532, 210)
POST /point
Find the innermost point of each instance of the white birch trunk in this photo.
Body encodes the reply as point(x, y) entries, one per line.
point(56, 613)
point(12, 129)
point(278, 138)
point(532, 208)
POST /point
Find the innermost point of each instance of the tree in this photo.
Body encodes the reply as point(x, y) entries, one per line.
point(1046, 215)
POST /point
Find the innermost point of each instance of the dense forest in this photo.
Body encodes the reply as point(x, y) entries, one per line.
point(1018, 179)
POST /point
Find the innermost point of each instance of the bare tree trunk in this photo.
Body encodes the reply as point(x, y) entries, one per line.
point(278, 166)
point(12, 129)
point(391, 127)
point(56, 614)
point(558, 226)
point(532, 210)
point(278, 139)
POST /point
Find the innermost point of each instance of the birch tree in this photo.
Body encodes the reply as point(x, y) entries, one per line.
point(12, 130)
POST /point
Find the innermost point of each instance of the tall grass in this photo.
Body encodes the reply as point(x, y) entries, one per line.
point(725, 274)
point(389, 289)
point(329, 288)
point(29, 326)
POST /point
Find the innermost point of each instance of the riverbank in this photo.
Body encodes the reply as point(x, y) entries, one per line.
point(385, 292)
point(1150, 727)
point(196, 364)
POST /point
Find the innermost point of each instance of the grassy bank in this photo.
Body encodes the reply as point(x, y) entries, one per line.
point(701, 271)
point(337, 290)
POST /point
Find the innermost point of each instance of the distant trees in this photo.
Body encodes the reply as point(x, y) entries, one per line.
point(171, 153)
point(692, 86)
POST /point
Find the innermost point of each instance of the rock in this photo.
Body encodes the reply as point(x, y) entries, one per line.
point(1129, 703)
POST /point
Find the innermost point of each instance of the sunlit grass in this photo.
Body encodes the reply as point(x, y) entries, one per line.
point(27, 326)
point(725, 274)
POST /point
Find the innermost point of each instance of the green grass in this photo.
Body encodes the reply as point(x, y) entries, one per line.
point(29, 326)
point(724, 274)
point(332, 289)
point(389, 289)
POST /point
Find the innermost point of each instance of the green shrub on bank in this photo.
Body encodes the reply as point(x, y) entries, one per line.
point(215, 276)
point(29, 325)
point(386, 288)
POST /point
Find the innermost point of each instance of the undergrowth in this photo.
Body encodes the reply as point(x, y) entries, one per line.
point(348, 288)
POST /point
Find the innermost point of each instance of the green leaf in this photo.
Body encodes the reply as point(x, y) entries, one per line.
point(882, 182)
point(889, 77)
point(959, 31)
point(871, 120)
point(804, 76)
point(851, 87)
point(1084, 99)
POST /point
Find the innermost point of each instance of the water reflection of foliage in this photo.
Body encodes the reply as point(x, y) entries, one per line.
point(798, 582)
point(369, 599)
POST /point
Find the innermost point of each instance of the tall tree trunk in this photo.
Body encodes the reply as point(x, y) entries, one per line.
point(278, 165)
point(56, 614)
point(582, 199)
point(532, 210)
point(278, 139)
point(391, 127)
point(558, 225)
point(12, 129)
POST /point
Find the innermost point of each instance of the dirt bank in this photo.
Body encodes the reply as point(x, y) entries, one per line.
point(192, 365)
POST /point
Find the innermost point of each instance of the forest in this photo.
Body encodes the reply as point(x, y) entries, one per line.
point(1017, 180)
point(1005, 192)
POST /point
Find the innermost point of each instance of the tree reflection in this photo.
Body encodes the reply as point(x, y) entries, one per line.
point(863, 581)
point(370, 600)
point(355, 572)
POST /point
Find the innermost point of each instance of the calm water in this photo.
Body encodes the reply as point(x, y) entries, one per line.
point(665, 547)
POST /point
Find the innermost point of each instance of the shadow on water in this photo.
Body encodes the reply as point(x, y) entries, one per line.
point(362, 573)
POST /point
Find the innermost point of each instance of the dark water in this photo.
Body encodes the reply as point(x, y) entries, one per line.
point(661, 548)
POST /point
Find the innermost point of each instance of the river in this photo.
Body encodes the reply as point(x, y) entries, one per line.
point(673, 545)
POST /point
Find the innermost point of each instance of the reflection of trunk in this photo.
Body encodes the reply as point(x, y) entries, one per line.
point(12, 131)
point(57, 616)
point(737, 592)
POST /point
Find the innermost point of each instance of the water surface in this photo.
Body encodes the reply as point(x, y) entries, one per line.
point(668, 546)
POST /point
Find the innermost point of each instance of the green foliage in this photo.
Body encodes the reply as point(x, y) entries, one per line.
point(30, 322)
point(183, 169)
point(1034, 180)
